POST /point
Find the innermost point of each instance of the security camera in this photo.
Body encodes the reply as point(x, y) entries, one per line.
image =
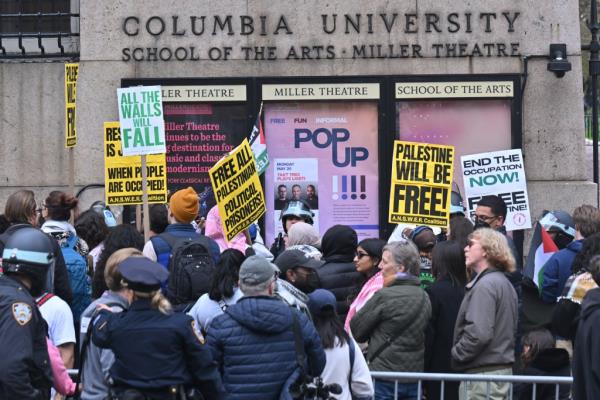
point(558, 60)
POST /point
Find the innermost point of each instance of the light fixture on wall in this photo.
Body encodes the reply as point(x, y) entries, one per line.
point(558, 60)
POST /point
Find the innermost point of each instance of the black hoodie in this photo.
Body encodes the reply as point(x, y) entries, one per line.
point(548, 362)
point(339, 274)
point(586, 362)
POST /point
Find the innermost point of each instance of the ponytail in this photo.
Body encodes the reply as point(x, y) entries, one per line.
point(157, 301)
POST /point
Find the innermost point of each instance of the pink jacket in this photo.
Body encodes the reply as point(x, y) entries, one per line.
point(62, 382)
point(214, 230)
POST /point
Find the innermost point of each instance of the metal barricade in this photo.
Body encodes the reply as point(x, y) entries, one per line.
point(421, 377)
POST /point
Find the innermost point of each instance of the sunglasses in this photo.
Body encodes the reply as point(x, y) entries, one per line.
point(360, 255)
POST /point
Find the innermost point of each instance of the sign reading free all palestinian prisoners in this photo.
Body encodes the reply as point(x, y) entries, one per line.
point(123, 175)
point(142, 121)
point(237, 190)
point(421, 183)
point(499, 173)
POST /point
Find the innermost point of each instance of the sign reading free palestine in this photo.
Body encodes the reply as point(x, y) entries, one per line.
point(141, 119)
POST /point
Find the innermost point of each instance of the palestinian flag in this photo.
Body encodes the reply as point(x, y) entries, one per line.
point(259, 145)
point(541, 249)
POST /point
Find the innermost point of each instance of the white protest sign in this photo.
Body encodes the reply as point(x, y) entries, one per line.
point(141, 119)
point(498, 173)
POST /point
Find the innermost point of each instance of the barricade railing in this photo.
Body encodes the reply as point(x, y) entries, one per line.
point(421, 377)
point(442, 378)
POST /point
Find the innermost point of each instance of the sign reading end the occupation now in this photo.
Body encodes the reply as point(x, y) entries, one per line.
point(499, 173)
point(421, 183)
point(141, 119)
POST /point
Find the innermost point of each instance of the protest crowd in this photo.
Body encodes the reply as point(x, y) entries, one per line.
point(190, 314)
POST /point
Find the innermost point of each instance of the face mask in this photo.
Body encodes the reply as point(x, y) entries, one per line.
point(479, 223)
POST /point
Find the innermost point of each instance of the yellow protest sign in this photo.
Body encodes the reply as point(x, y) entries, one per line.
point(71, 72)
point(123, 175)
point(421, 183)
point(237, 190)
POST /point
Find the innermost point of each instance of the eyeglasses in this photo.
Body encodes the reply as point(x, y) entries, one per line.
point(360, 255)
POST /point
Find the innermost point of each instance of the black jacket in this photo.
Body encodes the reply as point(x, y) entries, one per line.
point(548, 362)
point(586, 363)
point(25, 364)
point(62, 287)
point(445, 297)
point(339, 274)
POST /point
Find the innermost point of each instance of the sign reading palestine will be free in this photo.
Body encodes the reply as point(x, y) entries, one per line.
point(421, 183)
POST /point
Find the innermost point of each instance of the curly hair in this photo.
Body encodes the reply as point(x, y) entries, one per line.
point(119, 237)
point(59, 205)
point(90, 226)
point(496, 247)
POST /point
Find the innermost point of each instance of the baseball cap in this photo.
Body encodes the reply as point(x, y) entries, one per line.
point(256, 270)
point(320, 301)
point(296, 258)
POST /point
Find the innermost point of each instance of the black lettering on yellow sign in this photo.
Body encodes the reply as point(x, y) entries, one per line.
point(419, 200)
point(423, 152)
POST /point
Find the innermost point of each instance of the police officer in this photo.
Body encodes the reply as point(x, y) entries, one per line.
point(158, 354)
point(24, 365)
point(294, 211)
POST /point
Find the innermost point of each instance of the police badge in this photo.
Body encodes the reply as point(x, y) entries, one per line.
point(22, 313)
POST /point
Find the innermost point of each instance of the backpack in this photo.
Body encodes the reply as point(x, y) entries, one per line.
point(191, 268)
point(79, 279)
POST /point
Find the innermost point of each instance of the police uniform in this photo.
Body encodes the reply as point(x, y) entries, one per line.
point(24, 365)
point(154, 352)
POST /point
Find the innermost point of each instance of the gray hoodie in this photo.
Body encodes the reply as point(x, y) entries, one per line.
point(98, 361)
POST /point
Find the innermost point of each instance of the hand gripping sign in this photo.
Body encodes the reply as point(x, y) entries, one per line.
point(237, 190)
point(421, 183)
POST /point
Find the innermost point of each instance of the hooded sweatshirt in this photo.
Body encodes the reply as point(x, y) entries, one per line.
point(557, 270)
point(339, 274)
point(548, 362)
point(253, 344)
point(586, 364)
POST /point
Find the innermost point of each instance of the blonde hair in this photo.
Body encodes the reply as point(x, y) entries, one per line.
point(112, 276)
point(495, 245)
point(157, 301)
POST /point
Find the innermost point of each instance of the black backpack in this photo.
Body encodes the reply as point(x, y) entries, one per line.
point(191, 268)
